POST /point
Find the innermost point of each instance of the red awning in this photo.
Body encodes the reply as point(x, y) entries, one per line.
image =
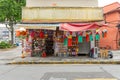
point(78, 26)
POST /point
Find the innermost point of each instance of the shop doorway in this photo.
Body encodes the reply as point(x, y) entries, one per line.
point(84, 47)
point(49, 44)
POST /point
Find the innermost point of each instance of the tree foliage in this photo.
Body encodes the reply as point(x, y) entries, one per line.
point(11, 12)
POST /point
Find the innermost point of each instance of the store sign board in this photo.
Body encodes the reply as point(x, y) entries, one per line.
point(61, 14)
point(39, 26)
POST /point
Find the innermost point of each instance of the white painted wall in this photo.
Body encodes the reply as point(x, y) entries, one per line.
point(62, 3)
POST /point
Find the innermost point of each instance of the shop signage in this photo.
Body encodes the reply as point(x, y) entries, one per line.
point(61, 14)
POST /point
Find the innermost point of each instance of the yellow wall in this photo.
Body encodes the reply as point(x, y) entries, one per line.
point(61, 14)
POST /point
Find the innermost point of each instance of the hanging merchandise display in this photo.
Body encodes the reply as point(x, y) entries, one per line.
point(80, 39)
point(32, 33)
point(41, 42)
point(104, 33)
point(91, 36)
point(41, 34)
point(97, 36)
point(70, 40)
point(76, 39)
point(59, 43)
point(17, 33)
point(65, 41)
point(87, 37)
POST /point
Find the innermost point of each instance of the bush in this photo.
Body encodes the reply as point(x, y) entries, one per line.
point(4, 45)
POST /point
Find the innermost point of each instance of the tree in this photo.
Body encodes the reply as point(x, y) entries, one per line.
point(10, 13)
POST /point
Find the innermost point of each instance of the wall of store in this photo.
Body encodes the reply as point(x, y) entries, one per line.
point(65, 3)
point(110, 40)
point(113, 19)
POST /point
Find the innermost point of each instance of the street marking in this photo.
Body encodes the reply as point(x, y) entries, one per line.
point(98, 79)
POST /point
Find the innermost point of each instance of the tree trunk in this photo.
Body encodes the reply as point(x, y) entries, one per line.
point(12, 35)
point(12, 32)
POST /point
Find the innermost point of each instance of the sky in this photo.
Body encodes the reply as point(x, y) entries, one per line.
point(102, 3)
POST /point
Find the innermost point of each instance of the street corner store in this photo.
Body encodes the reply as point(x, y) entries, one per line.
point(60, 39)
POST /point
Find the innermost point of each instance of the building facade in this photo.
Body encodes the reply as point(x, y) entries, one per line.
point(4, 33)
point(63, 27)
point(112, 18)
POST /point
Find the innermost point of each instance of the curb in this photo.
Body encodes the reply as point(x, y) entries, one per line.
point(66, 62)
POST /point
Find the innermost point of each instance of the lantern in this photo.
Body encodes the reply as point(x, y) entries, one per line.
point(17, 33)
point(22, 31)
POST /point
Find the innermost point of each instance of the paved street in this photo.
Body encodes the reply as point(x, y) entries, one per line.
point(60, 72)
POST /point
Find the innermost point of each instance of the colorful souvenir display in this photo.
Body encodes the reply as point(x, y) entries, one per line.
point(62, 43)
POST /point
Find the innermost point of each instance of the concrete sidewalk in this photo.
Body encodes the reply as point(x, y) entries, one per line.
point(68, 60)
point(14, 57)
